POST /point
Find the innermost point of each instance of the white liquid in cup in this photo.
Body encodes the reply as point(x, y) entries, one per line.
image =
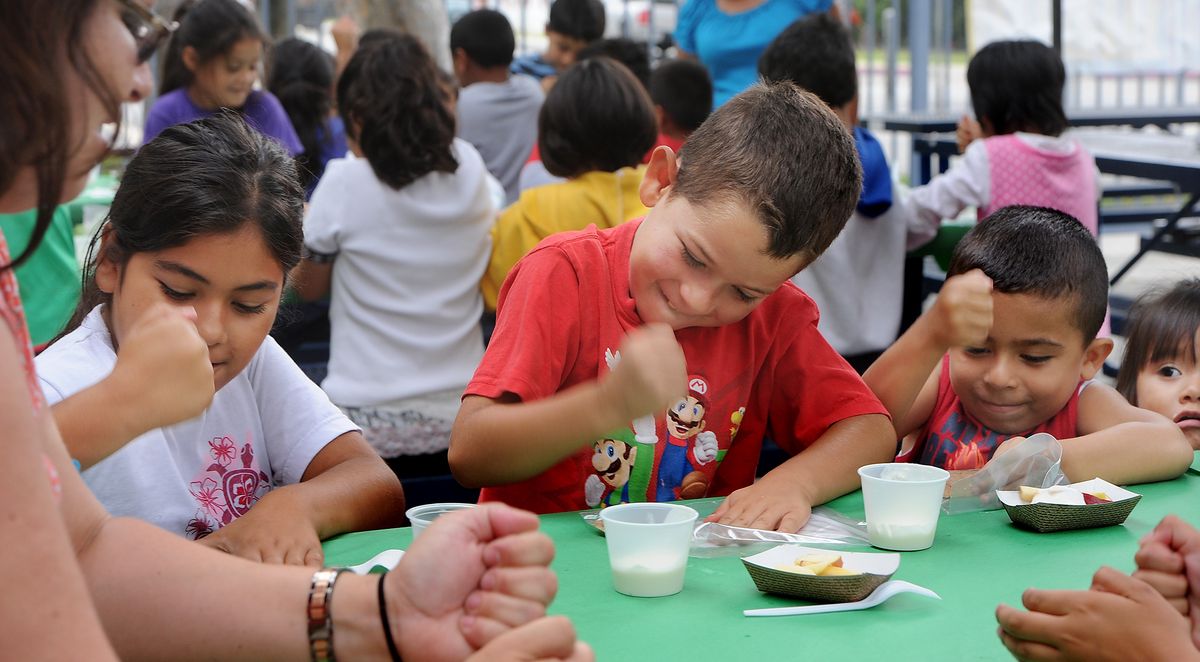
point(902, 537)
point(902, 502)
point(648, 547)
point(648, 578)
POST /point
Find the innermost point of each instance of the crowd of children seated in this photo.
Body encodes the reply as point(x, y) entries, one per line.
point(528, 258)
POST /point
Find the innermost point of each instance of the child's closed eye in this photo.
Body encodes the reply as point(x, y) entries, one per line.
point(173, 294)
point(250, 309)
point(691, 259)
point(1035, 358)
point(975, 351)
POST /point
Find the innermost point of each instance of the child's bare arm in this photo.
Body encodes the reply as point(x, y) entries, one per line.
point(1122, 443)
point(163, 376)
point(961, 316)
point(495, 442)
point(783, 499)
point(346, 487)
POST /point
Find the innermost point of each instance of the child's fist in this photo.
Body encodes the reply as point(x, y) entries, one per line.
point(163, 366)
point(651, 374)
point(962, 313)
point(967, 131)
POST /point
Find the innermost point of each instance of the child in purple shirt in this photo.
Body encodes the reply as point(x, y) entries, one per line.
point(212, 63)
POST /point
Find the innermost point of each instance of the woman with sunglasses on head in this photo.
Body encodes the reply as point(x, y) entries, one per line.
point(82, 584)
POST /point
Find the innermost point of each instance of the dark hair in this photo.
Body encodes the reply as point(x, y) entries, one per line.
point(684, 90)
point(580, 19)
point(1162, 327)
point(783, 153)
point(300, 75)
point(815, 53)
point(486, 36)
point(36, 106)
point(1042, 252)
point(627, 52)
point(212, 27)
point(208, 177)
point(596, 117)
point(396, 107)
point(1017, 86)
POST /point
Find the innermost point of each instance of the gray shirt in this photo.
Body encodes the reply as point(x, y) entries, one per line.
point(500, 120)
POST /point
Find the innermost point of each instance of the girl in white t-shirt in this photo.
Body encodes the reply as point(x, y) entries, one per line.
point(206, 226)
point(399, 237)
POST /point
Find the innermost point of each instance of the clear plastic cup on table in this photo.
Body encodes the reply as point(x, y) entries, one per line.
point(421, 516)
point(902, 502)
point(648, 546)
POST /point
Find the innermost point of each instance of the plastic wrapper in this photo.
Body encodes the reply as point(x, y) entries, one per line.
point(825, 527)
point(1036, 462)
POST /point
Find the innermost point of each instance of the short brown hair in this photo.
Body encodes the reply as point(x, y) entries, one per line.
point(786, 156)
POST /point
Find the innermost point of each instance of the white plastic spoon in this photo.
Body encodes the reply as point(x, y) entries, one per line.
point(388, 558)
point(880, 595)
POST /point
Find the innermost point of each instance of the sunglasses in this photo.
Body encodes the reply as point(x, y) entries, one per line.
point(149, 30)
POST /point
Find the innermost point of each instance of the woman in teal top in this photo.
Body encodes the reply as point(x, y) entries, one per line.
point(727, 36)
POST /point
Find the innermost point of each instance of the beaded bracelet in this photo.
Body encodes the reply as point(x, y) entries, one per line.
point(387, 627)
point(320, 614)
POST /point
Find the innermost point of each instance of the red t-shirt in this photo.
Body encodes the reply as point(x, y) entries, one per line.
point(567, 304)
point(954, 439)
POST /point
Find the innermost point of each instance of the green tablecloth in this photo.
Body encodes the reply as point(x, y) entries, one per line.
point(977, 561)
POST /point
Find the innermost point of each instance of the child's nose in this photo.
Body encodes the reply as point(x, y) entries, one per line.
point(211, 325)
point(698, 298)
point(999, 374)
point(1191, 388)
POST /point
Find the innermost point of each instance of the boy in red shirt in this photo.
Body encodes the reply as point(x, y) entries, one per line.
point(675, 343)
point(1009, 349)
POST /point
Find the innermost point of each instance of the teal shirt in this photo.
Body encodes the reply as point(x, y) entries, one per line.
point(49, 280)
point(729, 45)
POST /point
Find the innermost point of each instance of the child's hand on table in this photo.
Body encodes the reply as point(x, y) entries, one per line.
point(769, 504)
point(275, 530)
point(651, 375)
point(962, 313)
point(1121, 618)
point(163, 364)
point(1169, 561)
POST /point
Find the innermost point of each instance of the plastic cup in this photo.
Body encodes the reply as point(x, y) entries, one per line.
point(903, 502)
point(648, 547)
point(421, 516)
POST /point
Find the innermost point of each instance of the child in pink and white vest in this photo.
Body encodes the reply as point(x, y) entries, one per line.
point(1015, 154)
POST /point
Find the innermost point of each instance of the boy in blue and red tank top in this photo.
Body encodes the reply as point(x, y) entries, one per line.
point(1009, 349)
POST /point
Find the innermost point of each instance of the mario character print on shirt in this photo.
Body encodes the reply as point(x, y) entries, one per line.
point(613, 460)
point(688, 446)
point(227, 488)
point(632, 465)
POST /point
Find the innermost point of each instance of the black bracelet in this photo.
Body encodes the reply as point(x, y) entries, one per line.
point(387, 628)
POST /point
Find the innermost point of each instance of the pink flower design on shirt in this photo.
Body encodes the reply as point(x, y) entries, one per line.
point(200, 526)
point(209, 495)
point(222, 450)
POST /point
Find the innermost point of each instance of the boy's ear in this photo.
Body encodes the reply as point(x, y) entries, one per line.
point(108, 274)
point(459, 59)
point(191, 59)
point(1093, 357)
point(660, 176)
